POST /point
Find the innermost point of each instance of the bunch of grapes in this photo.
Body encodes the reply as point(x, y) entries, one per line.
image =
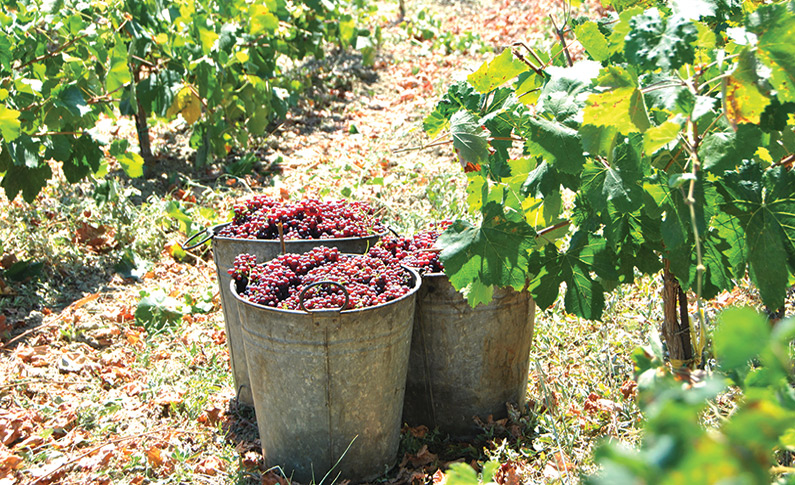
point(417, 251)
point(278, 283)
point(260, 216)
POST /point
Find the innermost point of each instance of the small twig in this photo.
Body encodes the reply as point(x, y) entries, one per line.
point(716, 78)
point(788, 160)
point(549, 229)
point(537, 69)
point(562, 38)
point(649, 89)
point(55, 133)
point(423, 147)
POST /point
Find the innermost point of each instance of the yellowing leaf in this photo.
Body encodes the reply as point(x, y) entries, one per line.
point(497, 72)
point(763, 154)
point(132, 163)
point(622, 108)
point(187, 104)
point(9, 123)
point(262, 21)
point(744, 101)
point(658, 136)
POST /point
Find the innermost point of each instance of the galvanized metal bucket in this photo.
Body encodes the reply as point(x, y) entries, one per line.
point(225, 249)
point(466, 361)
point(328, 385)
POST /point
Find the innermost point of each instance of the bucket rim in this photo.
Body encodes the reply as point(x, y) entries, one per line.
point(218, 227)
point(333, 311)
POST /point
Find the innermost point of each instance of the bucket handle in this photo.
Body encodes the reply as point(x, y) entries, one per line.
point(324, 282)
point(208, 234)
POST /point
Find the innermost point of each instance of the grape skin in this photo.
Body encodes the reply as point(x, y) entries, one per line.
point(258, 218)
point(278, 283)
point(417, 251)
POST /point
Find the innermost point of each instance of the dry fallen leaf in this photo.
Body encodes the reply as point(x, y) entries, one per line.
point(8, 460)
point(100, 458)
point(211, 465)
point(272, 478)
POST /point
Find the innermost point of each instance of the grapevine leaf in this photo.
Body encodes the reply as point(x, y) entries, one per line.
point(745, 103)
point(724, 151)
point(584, 296)
point(476, 293)
point(262, 20)
point(671, 95)
point(545, 284)
point(621, 28)
point(132, 163)
point(594, 42)
point(9, 123)
point(6, 53)
point(618, 183)
point(621, 108)
point(555, 143)
point(598, 140)
point(657, 137)
point(573, 81)
point(654, 42)
point(528, 87)
point(25, 179)
point(460, 95)
point(74, 101)
point(187, 104)
point(498, 71)
point(741, 334)
point(470, 139)
point(719, 272)
point(765, 206)
point(495, 253)
point(119, 72)
point(775, 26)
point(85, 158)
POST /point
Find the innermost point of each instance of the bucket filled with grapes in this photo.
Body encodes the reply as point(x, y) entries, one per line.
point(465, 361)
point(327, 338)
point(266, 227)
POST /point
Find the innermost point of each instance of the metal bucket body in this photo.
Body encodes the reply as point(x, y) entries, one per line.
point(466, 361)
point(225, 250)
point(326, 380)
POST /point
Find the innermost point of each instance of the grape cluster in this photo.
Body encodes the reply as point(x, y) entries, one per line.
point(259, 218)
point(279, 282)
point(416, 251)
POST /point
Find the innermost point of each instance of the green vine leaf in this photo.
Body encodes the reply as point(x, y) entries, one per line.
point(495, 253)
point(555, 143)
point(594, 42)
point(726, 150)
point(656, 42)
point(470, 139)
point(764, 203)
point(460, 95)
